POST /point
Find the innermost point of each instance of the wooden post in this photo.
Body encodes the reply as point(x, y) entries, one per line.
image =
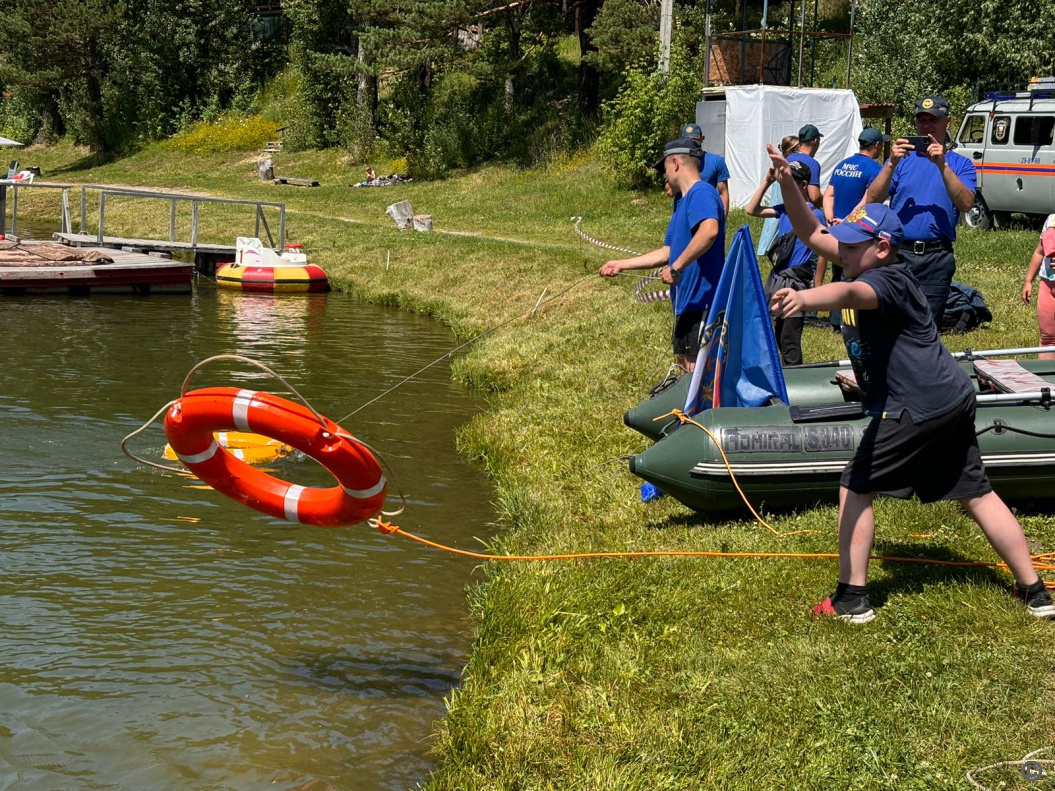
point(802, 38)
point(84, 209)
point(194, 223)
point(707, 46)
point(666, 11)
point(65, 223)
point(102, 216)
point(172, 220)
point(850, 44)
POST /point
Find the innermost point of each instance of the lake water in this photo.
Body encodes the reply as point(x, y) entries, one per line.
point(156, 635)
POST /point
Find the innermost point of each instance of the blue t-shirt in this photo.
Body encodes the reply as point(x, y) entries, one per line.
point(898, 360)
point(801, 254)
point(812, 164)
point(695, 285)
point(919, 197)
point(713, 169)
point(850, 181)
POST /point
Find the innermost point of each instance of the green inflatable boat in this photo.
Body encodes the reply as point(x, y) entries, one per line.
point(792, 456)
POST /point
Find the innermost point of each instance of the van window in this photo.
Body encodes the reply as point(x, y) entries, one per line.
point(1001, 127)
point(973, 131)
point(1034, 130)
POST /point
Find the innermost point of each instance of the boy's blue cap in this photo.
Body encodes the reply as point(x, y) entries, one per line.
point(872, 221)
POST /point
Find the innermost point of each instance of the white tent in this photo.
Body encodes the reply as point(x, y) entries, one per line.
point(6, 142)
point(752, 115)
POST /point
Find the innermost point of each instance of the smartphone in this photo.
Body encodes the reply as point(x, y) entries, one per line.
point(920, 144)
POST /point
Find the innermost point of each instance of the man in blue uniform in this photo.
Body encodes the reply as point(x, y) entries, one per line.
point(928, 190)
point(809, 142)
point(713, 169)
point(853, 176)
point(693, 252)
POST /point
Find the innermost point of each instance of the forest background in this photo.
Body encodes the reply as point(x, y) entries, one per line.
point(452, 84)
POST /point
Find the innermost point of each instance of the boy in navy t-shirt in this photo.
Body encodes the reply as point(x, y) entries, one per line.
point(693, 252)
point(921, 439)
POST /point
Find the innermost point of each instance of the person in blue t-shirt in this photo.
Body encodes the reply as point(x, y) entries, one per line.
point(713, 169)
point(921, 438)
point(928, 190)
point(809, 142)
point(793, 261)
point(693, 251)
point(847, 188)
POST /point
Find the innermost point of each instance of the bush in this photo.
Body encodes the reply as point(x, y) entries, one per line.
point(230, 133)
point(647, 112)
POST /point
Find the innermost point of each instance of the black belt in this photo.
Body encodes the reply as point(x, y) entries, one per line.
point(919, 248)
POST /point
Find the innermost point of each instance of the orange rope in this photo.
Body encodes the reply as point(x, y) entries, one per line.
point(388, 528)
point(681, 416)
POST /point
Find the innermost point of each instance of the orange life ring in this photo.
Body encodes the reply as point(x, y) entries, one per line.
point(191, 421)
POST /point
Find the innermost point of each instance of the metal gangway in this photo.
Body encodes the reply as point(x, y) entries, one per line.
point(205, 253)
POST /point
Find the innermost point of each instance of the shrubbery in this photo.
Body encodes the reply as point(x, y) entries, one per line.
point(646, 114)
point(231, 133)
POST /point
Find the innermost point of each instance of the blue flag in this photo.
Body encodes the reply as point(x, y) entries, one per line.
point(738, 363)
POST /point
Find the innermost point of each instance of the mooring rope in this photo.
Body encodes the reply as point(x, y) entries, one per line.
point(640, 293)
point(1031, 768)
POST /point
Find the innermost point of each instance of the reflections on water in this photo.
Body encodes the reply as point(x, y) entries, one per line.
point(143, 649)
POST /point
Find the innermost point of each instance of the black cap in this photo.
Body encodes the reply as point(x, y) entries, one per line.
point(933, 105)
point(870, 136)
point(809, 132)
point(800, 171)
point(683, 145)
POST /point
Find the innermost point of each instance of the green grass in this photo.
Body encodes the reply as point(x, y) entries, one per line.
point(656, 674)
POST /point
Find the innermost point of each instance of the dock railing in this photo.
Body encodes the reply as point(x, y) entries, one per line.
point(105, 191)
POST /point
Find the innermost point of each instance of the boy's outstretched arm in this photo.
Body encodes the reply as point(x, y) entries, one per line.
point(833, 296)
point(802, 220)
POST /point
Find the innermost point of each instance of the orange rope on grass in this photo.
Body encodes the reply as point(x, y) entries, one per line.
point(683, 418)
point(388, 528)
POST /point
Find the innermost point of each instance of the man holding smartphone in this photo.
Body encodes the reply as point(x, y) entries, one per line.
point(928, 187)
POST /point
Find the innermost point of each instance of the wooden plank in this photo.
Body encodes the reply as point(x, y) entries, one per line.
point(79, 240)
point(296, 182)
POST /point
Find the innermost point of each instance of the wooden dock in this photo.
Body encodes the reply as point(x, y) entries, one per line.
point(125, 273)
point(144, 245)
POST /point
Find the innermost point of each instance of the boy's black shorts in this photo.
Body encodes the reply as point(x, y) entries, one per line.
point(687, 333)
point(937, 459)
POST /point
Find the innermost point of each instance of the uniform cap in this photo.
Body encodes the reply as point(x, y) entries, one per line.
point(870, 136)
point(691, 130)
point(809, 132)
point(933, 105)
point(800, 171)
point(683, 145)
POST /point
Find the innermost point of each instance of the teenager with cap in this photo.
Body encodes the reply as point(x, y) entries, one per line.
point(713, 169)
point(928, 190)
point(693, 252)
point(847, 188)
point(793, 261)
point(809, 142)
point(921, 439)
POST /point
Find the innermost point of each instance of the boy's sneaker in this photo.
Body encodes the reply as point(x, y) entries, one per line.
point(852, 610)
point(1037, 600)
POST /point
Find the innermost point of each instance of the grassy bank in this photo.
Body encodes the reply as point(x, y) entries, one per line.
point(657, 674)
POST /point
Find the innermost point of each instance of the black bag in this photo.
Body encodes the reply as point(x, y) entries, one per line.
point(798, 278)
point(780, 252)
point(965, 309)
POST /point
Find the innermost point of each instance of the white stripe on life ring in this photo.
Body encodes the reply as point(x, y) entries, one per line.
point(363, 494)
point(198, 458)
point(291, 501)
point(240, 409)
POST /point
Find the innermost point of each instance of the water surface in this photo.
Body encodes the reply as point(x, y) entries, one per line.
point(155, 635)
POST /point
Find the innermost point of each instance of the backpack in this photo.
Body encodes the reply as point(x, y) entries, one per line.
point(781, 250)
point(965, 309)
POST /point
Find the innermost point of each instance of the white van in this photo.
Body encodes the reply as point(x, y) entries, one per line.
point(1010, 137)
